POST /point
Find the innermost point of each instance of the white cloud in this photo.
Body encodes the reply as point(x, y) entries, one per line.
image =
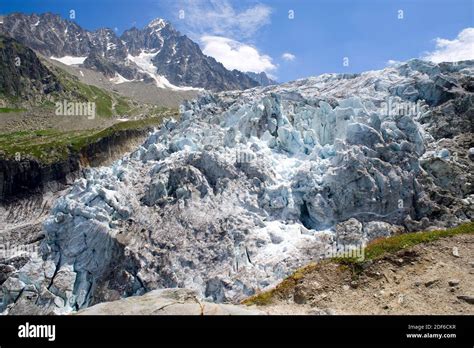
point(461, 48)
point(236, 55)
point(225, 31)
point(289, 57)
point(220, 18)
point(392, 62)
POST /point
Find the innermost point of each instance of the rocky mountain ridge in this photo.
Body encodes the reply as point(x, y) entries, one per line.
point(157, 53)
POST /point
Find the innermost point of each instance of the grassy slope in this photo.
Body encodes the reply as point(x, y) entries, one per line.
point(374, 250)
point(51, 145)
point(7, 110)
point(107, 104)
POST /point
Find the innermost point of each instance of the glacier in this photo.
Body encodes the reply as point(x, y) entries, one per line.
point(144, 62)
point(249, 185)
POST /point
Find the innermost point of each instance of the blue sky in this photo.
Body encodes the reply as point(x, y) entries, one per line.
point(259, 35)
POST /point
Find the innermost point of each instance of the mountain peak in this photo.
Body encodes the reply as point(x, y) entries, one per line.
point(158, 23)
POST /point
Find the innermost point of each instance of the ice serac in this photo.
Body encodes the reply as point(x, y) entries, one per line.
point(249, 185)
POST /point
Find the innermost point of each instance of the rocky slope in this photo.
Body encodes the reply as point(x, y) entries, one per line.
point(157, 53)
point(23, 75)
point(138, 91)
point(426, 279)
point(29, 82)
point(250, 185)
point(262, 79)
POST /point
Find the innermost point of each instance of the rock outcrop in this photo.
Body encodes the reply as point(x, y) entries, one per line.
point(167, 302)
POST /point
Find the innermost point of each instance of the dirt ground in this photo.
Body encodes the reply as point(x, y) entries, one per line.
point(433, 278)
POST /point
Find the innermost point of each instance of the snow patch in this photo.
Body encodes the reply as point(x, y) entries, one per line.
point(157, 23)
point(111, 46)
point(69, 60)
point(118, 79)
point(144, 62)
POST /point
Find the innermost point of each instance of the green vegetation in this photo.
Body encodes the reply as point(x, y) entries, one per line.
point(6, 110)
point(378, 247)
point(108, 104)
point(122, 107)
point(61, 86)
point(80, 142)
point(49, 146)
point(374, 250)
point(49, 142)
point(267, 297)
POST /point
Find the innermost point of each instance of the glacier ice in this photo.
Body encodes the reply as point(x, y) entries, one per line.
point(249, 185)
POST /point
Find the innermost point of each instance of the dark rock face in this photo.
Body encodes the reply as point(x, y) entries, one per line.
point(262, 79)
point(95, 61)
point(22, 73)
point(181, 60)
point(104, 42)
point(28, 176)
point(177, 58)
point(48, 34)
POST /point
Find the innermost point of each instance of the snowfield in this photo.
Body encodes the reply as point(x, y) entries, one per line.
point(69, 60)
point(144, 61)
